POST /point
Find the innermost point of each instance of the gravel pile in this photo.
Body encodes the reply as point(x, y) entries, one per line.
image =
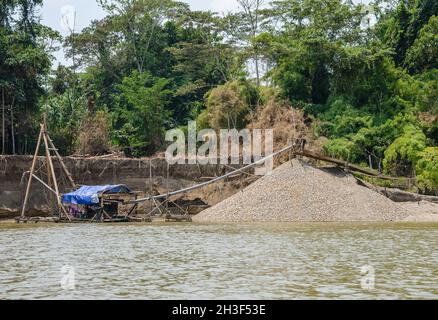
point(297, 191)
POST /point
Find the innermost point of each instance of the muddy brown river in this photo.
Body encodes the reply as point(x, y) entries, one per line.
point(196, 261)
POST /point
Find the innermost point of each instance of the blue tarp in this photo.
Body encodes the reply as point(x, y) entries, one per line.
point(89, 195)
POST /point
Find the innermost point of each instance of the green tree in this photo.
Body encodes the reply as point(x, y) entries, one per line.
point(427, 170)
point(65, 114)
point(25, 60)
point(229, 105)
point(403, 154)
point(423, 54)
point(344, 149)
point(142, 116)
point(397, 32)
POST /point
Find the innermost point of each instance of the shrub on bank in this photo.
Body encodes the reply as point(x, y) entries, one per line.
point(427, 170)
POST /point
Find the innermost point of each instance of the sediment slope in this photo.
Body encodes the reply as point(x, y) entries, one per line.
point(297, 191)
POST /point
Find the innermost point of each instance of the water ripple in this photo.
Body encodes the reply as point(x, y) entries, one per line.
point(192, 261)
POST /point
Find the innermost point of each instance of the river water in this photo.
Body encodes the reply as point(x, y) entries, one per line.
point(196, 261)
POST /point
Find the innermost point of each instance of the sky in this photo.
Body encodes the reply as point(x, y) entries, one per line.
point(88, 10)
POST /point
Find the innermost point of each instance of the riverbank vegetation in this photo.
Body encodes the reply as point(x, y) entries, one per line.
point(364, 79)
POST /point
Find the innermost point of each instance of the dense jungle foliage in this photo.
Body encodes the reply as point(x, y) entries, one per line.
point(366, 77)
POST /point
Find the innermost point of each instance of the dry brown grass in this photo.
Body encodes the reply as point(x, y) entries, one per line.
point(288, 124)
point(95, 139)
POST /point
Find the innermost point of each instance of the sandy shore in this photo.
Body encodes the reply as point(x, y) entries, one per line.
point(421, 211)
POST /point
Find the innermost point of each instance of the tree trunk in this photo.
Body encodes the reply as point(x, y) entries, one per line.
point(3, 120)
point(257, 69)
point(12, 126)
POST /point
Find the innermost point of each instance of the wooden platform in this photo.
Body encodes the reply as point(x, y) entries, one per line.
point(171, 218)
point(179, 218)
point(25, 220)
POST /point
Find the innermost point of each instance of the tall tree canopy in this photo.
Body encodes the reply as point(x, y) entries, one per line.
point(25, 59)
point(370, 90)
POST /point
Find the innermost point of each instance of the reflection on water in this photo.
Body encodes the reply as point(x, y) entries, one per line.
point(191, 261)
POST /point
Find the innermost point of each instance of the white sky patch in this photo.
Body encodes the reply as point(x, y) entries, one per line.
point(224, 5)
point(88, 10)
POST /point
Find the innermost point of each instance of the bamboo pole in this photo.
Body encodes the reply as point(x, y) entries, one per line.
point(3, 120)
point(63, 166)
point(349, 167)
point(12, 125)
point(32, 170)
point(50, 182)
point(49, 173)
point(44, 184)
point(102, 218)
point(52, 171)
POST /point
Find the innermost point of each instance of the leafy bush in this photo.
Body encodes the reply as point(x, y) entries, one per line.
point(142, 114)
point(426, 98)
point(432, 132)
point(423, 55)
point(229, 105)
point(376, 139)
point(402, 155)
point(427, 170)
point(65, 113)
point(324, 129)
point(344, 149)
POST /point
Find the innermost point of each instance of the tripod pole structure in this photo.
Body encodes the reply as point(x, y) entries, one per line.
point(32, 170)
point(52, 173)
point(63, 166)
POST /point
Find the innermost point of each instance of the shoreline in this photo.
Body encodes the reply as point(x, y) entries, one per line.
point(420, 218)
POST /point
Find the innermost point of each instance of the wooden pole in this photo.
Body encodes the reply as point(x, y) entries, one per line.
point(12, 125)
point(50, 183)
point(102, 217)
point(49, 173)
point(52, 171)
point(32, 170)
point(3, 120)
point(168, 190)
point(44, 184)
point(63, 166)
point(151, 187)
point(348, 167)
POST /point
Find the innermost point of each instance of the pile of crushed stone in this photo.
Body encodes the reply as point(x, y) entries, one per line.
point(298, 192)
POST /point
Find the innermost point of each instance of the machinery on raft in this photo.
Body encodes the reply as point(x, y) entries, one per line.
point(93, 204)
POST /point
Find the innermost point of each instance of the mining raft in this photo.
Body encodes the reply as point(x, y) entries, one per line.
point(106, 204)
point(99, 204)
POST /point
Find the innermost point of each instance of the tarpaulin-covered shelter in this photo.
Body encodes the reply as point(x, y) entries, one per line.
point(98, 203)
point(90, 195)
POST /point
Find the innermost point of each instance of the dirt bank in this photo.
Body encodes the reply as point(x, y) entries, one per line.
point(95, 171)
point(296, 192)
